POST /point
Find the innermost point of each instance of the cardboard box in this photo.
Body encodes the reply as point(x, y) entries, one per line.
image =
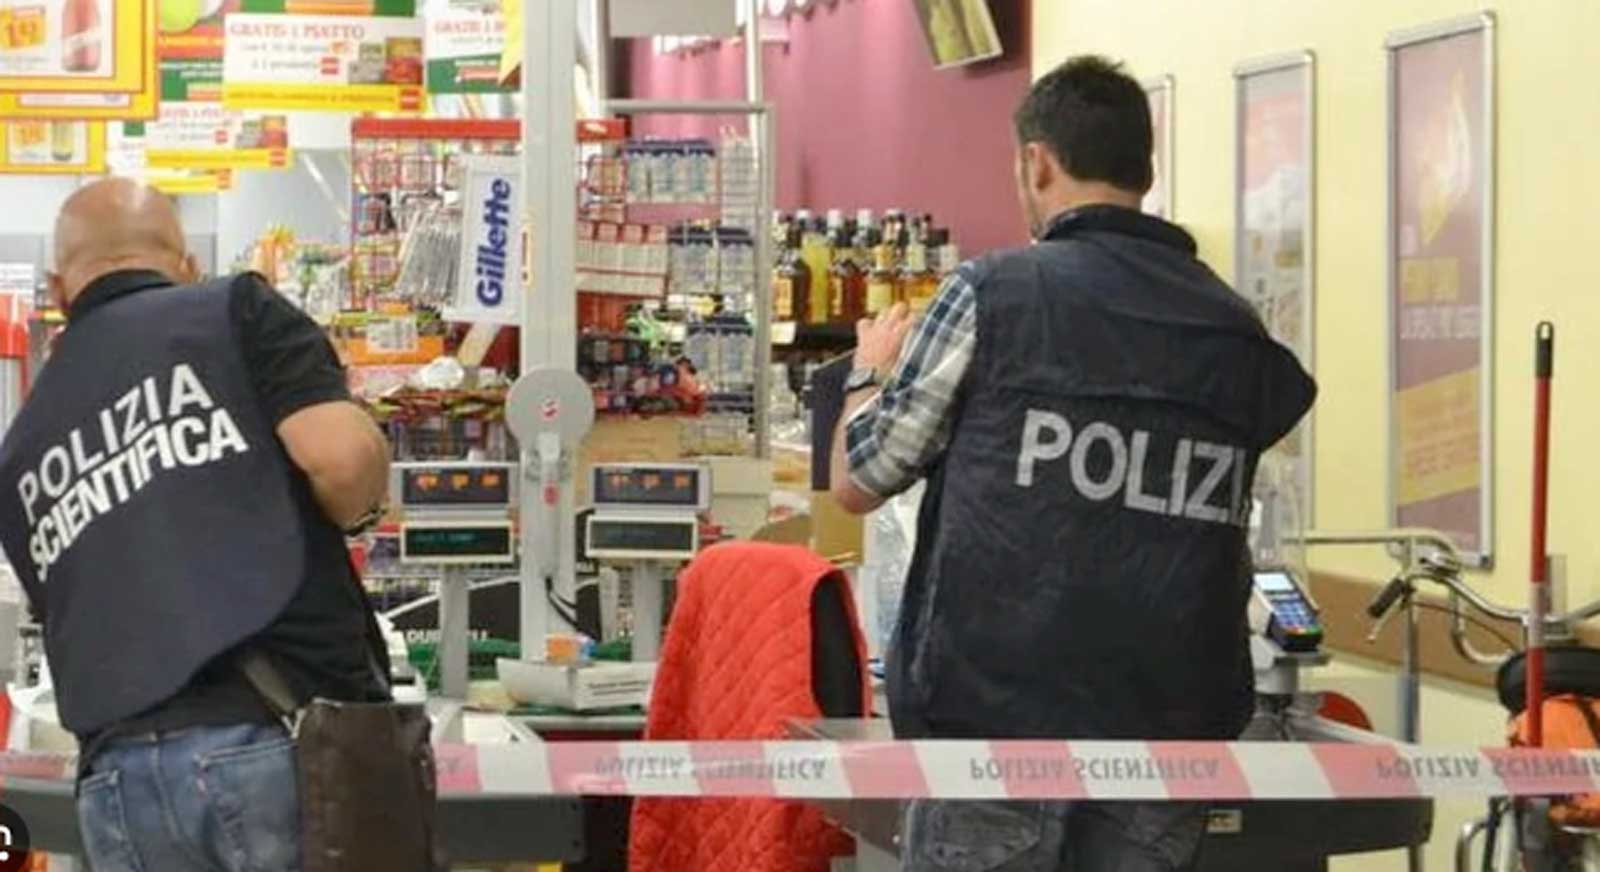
point(835, 533)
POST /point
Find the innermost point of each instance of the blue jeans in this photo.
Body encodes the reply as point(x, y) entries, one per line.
point(204, 799)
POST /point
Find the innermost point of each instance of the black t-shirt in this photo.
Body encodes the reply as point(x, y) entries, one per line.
point(322, 641)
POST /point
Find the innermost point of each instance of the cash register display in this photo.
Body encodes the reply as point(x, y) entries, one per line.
point(456, 486)
point(1294, 619)
point(648, 486)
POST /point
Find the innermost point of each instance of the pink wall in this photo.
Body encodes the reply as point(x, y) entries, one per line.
point(864, 119)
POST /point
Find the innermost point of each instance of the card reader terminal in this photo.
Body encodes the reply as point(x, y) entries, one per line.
point(1293, 622)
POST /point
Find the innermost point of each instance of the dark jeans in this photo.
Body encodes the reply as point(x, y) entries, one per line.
point(204, 799)
point(945, 836)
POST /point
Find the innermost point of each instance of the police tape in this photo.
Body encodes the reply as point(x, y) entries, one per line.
point(984, 770)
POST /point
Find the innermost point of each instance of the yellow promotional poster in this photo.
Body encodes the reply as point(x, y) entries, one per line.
point(205, 135)
point(322, 63)
point(77, 46)
point(182, 182)
point(53, 147)
point(137, 106)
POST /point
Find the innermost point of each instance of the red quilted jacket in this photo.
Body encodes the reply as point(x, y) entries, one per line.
point(736, 664)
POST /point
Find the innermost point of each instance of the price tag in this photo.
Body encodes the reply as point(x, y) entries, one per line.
point(783, 332)
point(21, 27)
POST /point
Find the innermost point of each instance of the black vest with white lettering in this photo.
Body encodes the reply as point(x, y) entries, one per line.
point(146, 503)
point(1081, 567)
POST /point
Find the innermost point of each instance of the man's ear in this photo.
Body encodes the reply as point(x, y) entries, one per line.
point(58, 290)
point(1042, 166)
point(188, 270)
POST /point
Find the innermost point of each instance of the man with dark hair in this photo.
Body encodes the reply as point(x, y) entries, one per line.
point(1088, 412)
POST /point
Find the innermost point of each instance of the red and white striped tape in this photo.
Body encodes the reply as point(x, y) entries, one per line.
point(984, 770)
point(1014, 770)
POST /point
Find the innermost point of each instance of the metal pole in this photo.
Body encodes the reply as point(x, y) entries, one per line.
point(649, 610)
point(601, 74)
point(1539, 578)
point(549, 311)
point(451, 652)
point(761, 126)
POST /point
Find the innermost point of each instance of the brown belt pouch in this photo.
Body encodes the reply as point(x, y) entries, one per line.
point(367, 779)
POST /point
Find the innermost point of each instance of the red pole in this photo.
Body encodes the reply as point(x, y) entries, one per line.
point(1539, 579)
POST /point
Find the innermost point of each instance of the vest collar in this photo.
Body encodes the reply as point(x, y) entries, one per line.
point(114, 286)
point(1106, 218)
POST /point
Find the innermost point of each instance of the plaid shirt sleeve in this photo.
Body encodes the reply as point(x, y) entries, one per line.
point(899, 433)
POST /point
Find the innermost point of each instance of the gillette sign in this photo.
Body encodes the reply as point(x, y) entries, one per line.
point(489, 284)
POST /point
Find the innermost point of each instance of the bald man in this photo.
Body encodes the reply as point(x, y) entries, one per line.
point(173, 495)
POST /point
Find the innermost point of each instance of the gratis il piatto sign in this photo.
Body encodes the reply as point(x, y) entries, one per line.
point(322, 63)
point(464, 48)
point(76, 46)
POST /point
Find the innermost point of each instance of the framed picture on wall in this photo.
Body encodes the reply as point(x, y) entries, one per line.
point(1159, 200)
point(1441, 240)
point(1274, 213)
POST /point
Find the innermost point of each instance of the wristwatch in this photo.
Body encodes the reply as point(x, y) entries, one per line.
point(861, 378)
point(366, 522)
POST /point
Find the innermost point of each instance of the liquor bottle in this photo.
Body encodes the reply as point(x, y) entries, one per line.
point(882, 280)
point(846, 282)
point(791, 284)
point(949, 254)
point(918, 283)
point(894, 221)
point(817, 254)
point(80, 36)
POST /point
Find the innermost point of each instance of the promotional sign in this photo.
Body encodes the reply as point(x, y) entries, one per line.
point(126, 156)
point(1158, 201)
point(137, 106)
point(1272, 234)
point(190, 46)
point(1441, 280)
point(489, 284)
point(206, 135)
point(86, 46)
point(322, 63)
point(391, 8)
point(52, 147)
point(463, 48)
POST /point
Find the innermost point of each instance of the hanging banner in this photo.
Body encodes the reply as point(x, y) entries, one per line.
point(127, 156)
point(489, 284)
point(84, 46)
point(190, 47)
point(463, 48)
point(1273, 238)
point(322, 63)
point(206, 135)
point(1158, 201)
point(52, 147)
point(1441, 281)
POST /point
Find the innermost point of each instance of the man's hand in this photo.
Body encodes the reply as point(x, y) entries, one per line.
point(879, 340)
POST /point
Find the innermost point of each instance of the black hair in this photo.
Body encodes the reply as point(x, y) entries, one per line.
point(1096, 120)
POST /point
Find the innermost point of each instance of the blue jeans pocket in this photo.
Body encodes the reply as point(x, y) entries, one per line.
point(976, 837)
point(254, 792)
point(104, 824)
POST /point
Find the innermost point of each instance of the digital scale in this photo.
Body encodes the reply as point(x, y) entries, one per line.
point(456, 515)
point(647, 516)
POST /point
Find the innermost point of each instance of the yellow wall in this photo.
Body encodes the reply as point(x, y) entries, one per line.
point(1548, 218)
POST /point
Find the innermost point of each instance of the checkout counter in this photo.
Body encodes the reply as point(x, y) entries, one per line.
point(1283, 836)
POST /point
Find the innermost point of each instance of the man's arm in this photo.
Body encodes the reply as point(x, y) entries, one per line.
point(343, 454)
point(886, 439)
point(302, 388)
